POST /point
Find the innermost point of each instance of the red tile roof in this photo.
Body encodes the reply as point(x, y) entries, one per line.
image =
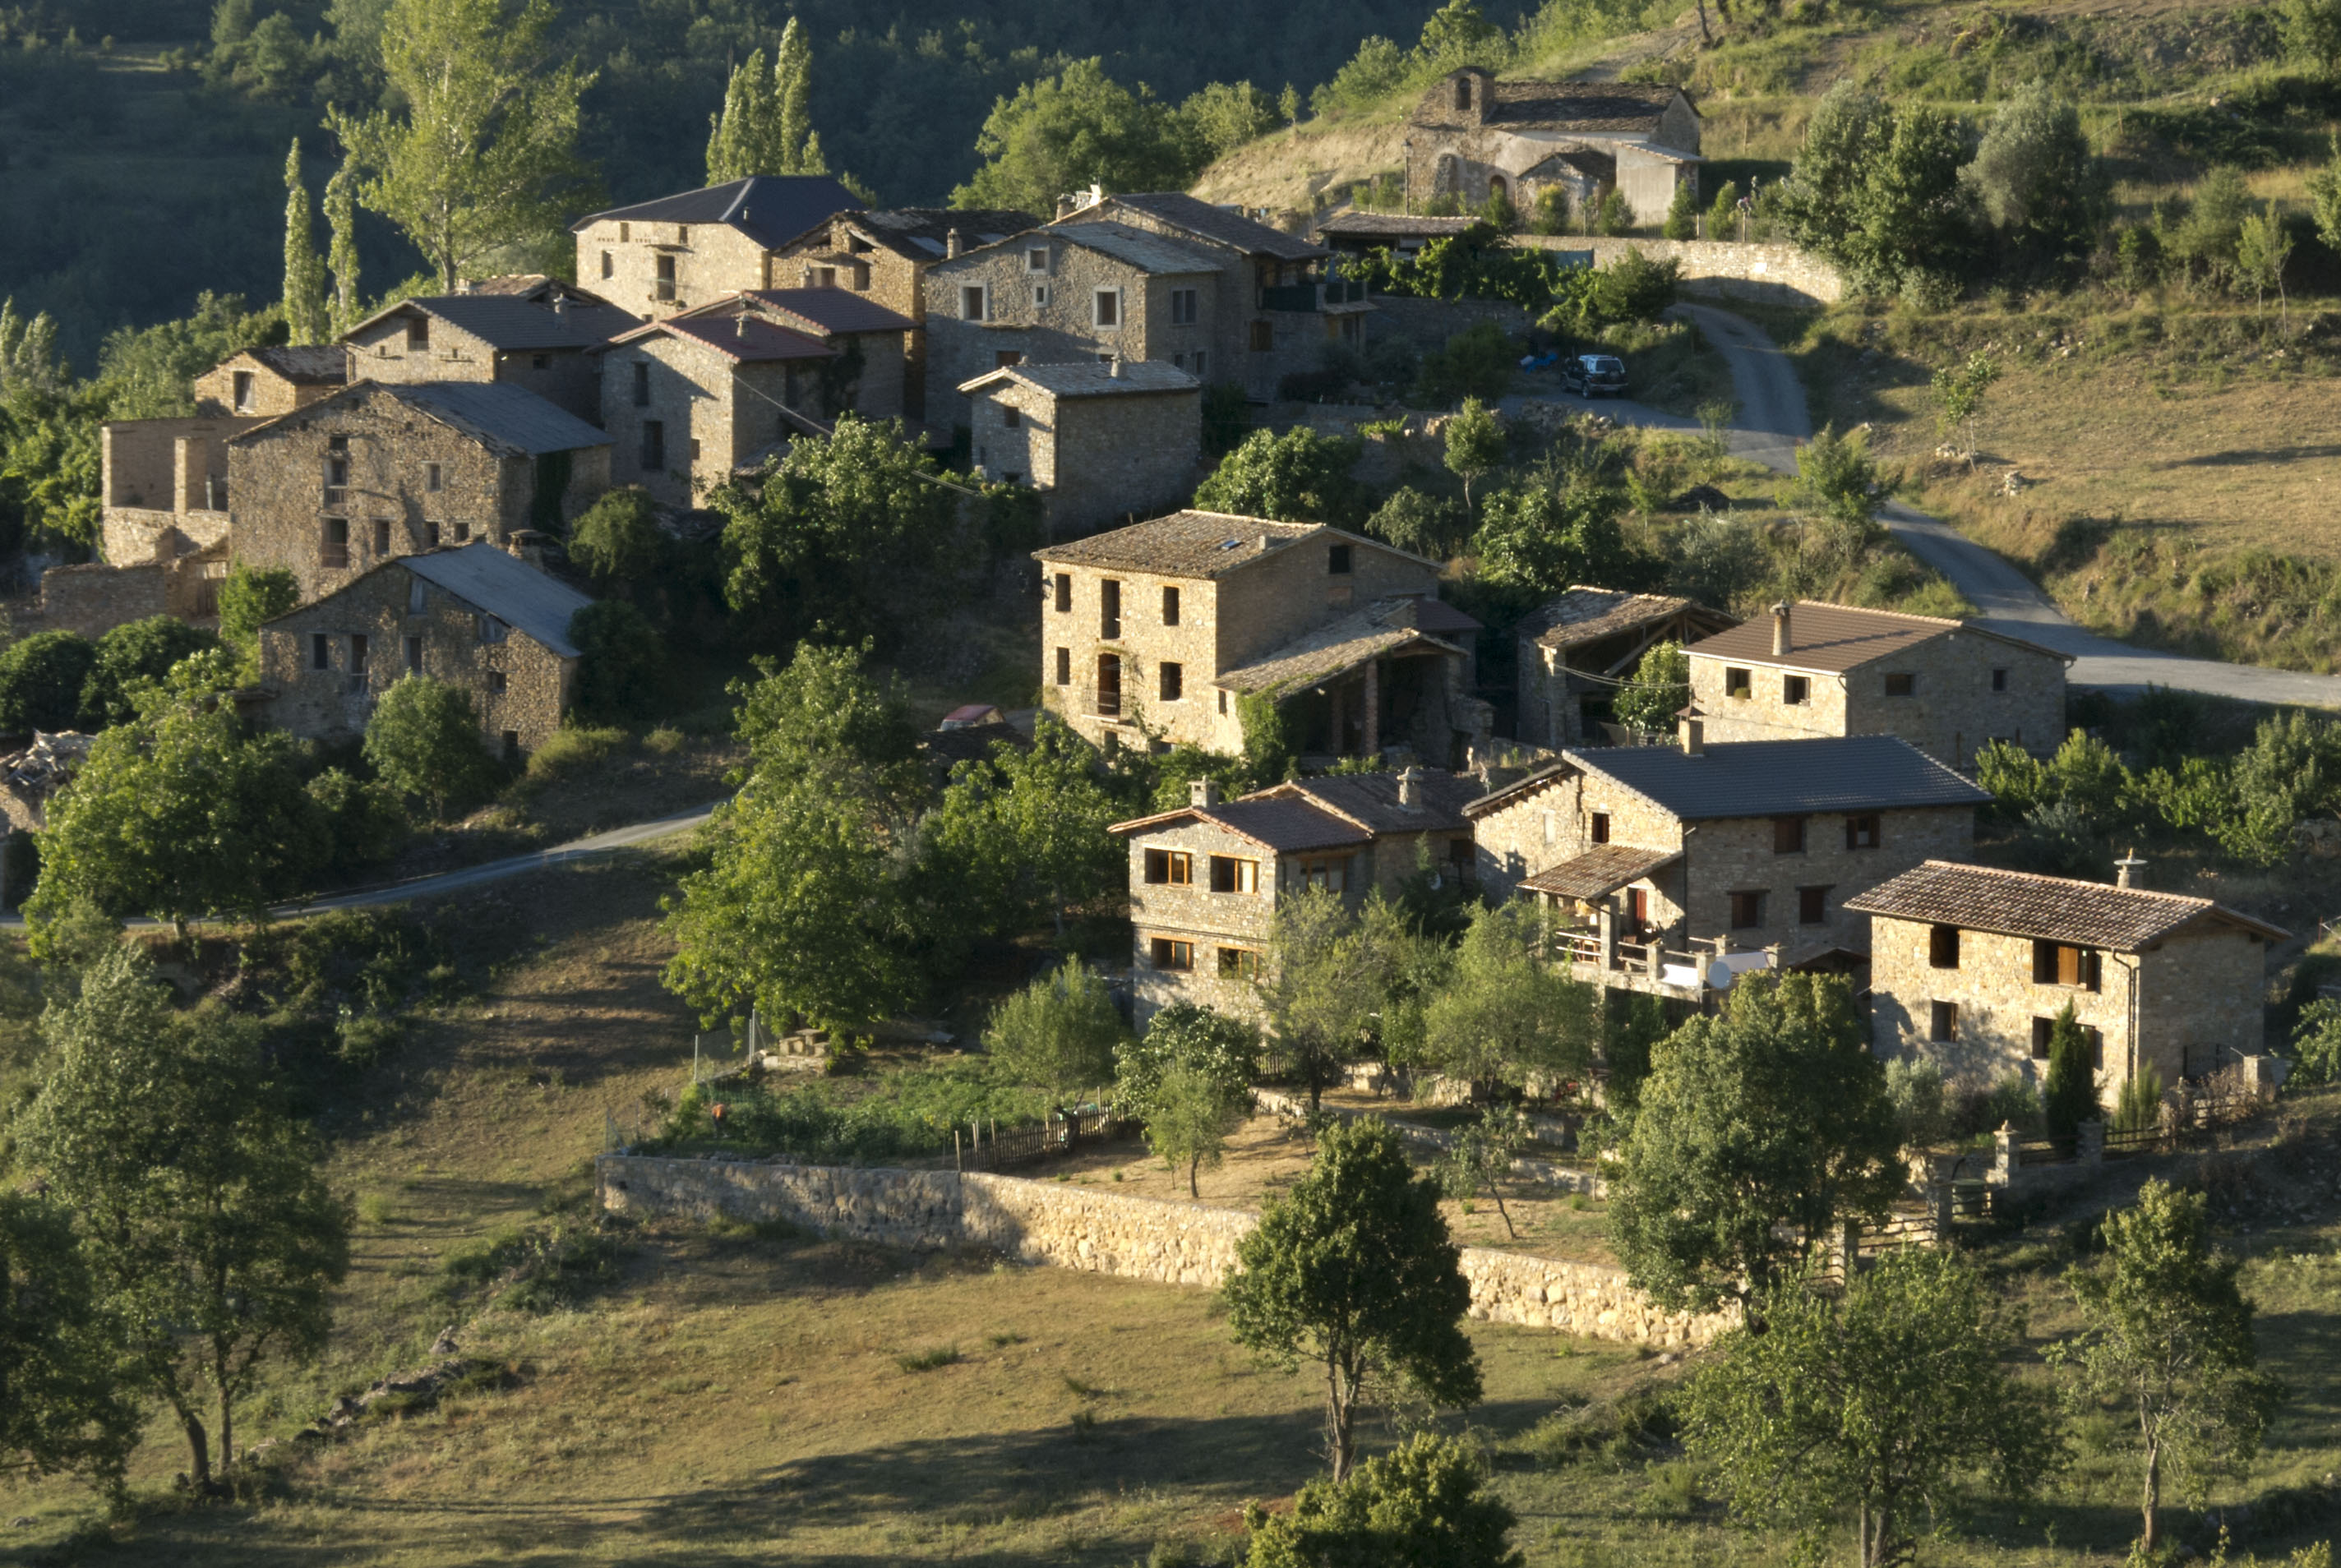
point(2051, 909)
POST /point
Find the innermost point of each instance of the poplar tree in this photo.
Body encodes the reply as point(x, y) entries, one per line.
point(792, 92)
point(766, 123)
point(341, 219)
point(304, 274)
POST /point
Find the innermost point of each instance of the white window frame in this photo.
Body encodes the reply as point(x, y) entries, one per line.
point(1036, 258)
point(1039, 296)
point(1098, 298)
point(979, 295)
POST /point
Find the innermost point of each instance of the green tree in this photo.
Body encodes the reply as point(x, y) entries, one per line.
point(2311, 30)
point(1299, 476)
point(1552, 530)
point(2324, 193)
point(361, 820)
point(2168, 1336)
point(1613, 217)
point(1421, 1503)
point(149, 374)
point(346, 302)
point(793, 78)
point(63, 1405)
point(211, 1235)
point(2317, 1045)
point(1875, 1408)
point(618, 541)
point(1426, 524)
point(1959, 399)
point(249, 596)
point(2291, 769)
point(1194, 1039)
point(1189, 1121)
point(1024, 832)
point(1078, 127)
point(1759, 1132)
point(1058, 1032)
point(1475, 443)
point(1477, 362)
point(2263, 249)
point(766, 123)
point(305, 272)
point(2037, 181)
point(1659, 690)
point(620, 662)
point(1506, 1014)
point(423, 740)
point(1838, 483)
point(2207, 236)
point(183, 812)
point(1551, 214)
point(485, 157)
point(41, 681)
point(1224, 117)
point(1482, 1157)
point(1683, 212)
point(2070, 1096)
point(1319, 1003)
point(1723, 215)
point(136, 651)
point(1353, 1270)
point(1457, 33)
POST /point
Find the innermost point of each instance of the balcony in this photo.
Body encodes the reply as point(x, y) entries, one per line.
point(1312, 296)
point(337, 496)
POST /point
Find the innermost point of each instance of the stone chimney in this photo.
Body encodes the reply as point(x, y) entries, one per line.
point(739, 325)
point(953, 242)
point(1410, 789)
point(1693, 730)
point(559, 306)
point(1113, 367)
point(1780, 639)
point(1064, 207)
point(1202, 792)
point(2129, 871)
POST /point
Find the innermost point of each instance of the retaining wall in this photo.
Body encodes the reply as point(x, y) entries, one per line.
point(1070, 1227)
point(1774, 275)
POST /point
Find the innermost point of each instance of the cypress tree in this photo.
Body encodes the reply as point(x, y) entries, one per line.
point(2071, 1096)
point(304, 274)
point(793, 90)
point(341, 219)
point(733, 144)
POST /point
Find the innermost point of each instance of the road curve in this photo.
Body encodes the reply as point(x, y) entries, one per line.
point(1773, 420)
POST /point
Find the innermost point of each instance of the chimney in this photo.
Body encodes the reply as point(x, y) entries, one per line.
point(1410, 788)
point(740, 324)
point(1113, 367)
point(1781, 642)
point(953, 242)
point(2128, 870)
point(1202, 792)
point(1693, 730)
point(1064, 208)
point(561, 307)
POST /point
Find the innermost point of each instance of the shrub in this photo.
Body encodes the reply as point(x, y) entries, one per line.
point(620, 662)
point(424, 741)
point(573, 748)
point(1683, 212)
point(1614, 217)
point(618, 539)
point(1426, 524)
point(1059, 1032)
point(250, 595)
point(1551, 214)
point(1477, 361)
point(1633, 288)
point(140, 651)
point(41, 681)
point(363, 822)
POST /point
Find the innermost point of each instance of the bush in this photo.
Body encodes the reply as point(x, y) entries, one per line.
point(1477, 361)
point(1420, 1503)
point(41, 681)
point(1683, 212)
point(1634, 288)
point(140, 651)
point(250, 595)
point(363, 821)
point(1551, 215)
point(1425, 524)
point(618, 539)
point(620, 662)
point(424, 741)
point(1059, 1032)
point(573, 748)
point(1614, 217)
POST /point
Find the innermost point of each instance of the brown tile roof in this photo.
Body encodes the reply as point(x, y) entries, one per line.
point(1285, 826)
point(821, 312)
point(1371, 799)
point(1330, 650)
point(923, 233)
point(2052, 908)
point(1583, 615)
point(747, 339)
point(1837, 638)
point(1425, 613)
point(1183, 544)
point(1599, 871)
point(1631, 108)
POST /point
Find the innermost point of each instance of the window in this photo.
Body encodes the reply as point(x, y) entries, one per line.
point(462, 531)
point(625, 232)
point(337, 468)
point(653, 445)
point(1064, 593)
point(1239, 964)
point(414, 656)
point(2043, 1033)
point(608, 267)
point(1943, 1027)
point(1223, 703)
point(418, 333)
point(1812, 906)
point(1337, 560)
point(1170, 606)
point(1182, 307)
point(1198, 364)
point(1011, 418)
point(1171, 680)
point(1170, 867)
point(1109, 686)
point(414, 596)
point(1231, 875)
point(682, 234)
point(243, 399)
point(665, 289)
point(493, 630)
point(1106, 308)
point(1003, 358)
point(2000, 679)
point(336, 548)
point(1599, 831)
point(540, 361)
point(321, 651)
point(1064, 667)
point(1263, 338)
point(1039, 296)
point(381, 536)
point(971, 302)
point(1109, 608)
point(1170, 954)
point(1747, 911)
point(2063, 964)
point(1795, 689)
point(641, 384)
point(694, 448)
point(495, 683)
point(1736, 683)
point(431, 535)
point(1901, 683)
point(1861, 832)
point(823, 277)
point(1036, 259)
point(1332, 875)
point(1943, 947)
point(432, 479)
point(1463, 92)
point(512, 745)
point(1787, 835)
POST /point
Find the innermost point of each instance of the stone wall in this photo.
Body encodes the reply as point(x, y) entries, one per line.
point(1725, 269)
point(1069, 1226)
point(618, 261)
point(710, 423)
point(93, 600)
point(1428, 323)
point(1123, 457)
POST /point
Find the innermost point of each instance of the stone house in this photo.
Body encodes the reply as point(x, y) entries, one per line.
point(1151, 635)
point(1945, 686)
point(1573, 651)
point(544, 340)
point(885, 254)
point(1646, 854)
point(162, 487)
point(1205, 879)
point(1471, 137)
point(335, 489)
point(473, 617)
point(659, 258)
point(1970, 964)
point(262, 382)
point(1099, 442)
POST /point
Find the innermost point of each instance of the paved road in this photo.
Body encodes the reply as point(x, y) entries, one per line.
point(1773, 420)
point(488, 871)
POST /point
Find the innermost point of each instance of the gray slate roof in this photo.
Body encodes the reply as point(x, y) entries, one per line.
point(1629, 107)
point(515, 323)
point(499, 584)
point(770, 209)
point(1585, 614)
point(1352, 224)
point(2053, 908)
point(1219, 224)
point(321, 364)
point(1371, 799)
point(835, 310)
point(1087, 378)
point(505, 415)
point(1200, 544)
point(923, 233)
point(1139, 248)
point(1781, 777)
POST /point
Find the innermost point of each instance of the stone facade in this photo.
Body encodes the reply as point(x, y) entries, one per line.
point(161, 475)
point(712, 413)
point(261, 383)
point(1471, 137)
point(386, 351)
point(327, 664)
point(1719, 269)
point(411, 482)
point(661, 269)
point(1100, 453)
point(1067, 1226)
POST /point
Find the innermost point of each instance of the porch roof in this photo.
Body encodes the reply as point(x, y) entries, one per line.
point(1333, 651)
point(1599, 871)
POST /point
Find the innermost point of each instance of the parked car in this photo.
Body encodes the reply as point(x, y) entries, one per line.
point(1594, 375)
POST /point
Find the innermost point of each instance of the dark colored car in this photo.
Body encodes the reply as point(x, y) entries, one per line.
point(1594, 375)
